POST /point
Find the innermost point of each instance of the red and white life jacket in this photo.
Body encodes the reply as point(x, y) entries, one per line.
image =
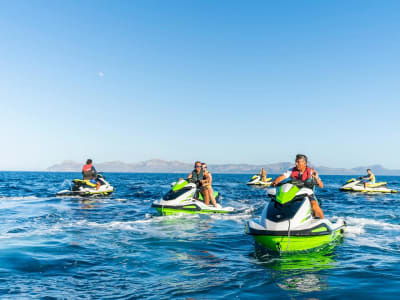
point(306, 174)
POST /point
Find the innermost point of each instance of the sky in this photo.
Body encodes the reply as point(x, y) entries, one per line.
point(220, 81)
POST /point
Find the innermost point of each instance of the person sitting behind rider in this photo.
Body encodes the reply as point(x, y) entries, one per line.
point(207, 181)
point(304, 173)
point(370, 178)
point(263, 175)
point(89, 173)
point(196, 177)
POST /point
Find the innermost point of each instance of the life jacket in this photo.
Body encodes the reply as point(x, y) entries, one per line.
point(306, 174)
point(87, 172)
point(87, 168)
point(196, 177)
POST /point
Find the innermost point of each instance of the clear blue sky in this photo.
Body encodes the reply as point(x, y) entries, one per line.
point(220, 81)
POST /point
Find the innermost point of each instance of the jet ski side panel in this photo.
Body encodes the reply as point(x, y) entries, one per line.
point(281, 244)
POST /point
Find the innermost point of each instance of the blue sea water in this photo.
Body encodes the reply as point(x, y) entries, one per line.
point(118, 248)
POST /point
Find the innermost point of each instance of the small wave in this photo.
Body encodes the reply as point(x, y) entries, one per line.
point(21, 198)
point(352, 221)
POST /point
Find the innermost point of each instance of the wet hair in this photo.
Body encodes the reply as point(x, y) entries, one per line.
point(369, 170)
point(301, 156)
point(89, 161)
point(197, 162)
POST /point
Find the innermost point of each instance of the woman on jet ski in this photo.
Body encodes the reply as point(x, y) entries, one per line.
point(206, 182)
point(309, 176)
point(263, 175)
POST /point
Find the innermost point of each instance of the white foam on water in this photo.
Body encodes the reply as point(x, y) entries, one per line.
point(169, 226)
point(22, 198)
point(239, 217)
point(358, 233)
point(38, 231)
point(352, 221)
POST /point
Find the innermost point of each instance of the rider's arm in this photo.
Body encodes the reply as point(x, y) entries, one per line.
point(279, 179)
point(94, 172)
point(189, 178)
point(316, 178)
point(319, 182)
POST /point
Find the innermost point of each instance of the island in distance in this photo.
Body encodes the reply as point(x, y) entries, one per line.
point(162, 166)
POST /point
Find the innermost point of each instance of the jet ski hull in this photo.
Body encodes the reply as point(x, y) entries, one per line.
point(185, 197)
point(367, 190)
point(358, 186)
point(85, 193)
point(287, 224)
point(84, 188)
point(294, 241)
point(165, 210)
point(256, 180)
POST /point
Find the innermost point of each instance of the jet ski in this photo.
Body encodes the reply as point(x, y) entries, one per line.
point(256, 180)
point(185, 197)
point(85, 188)
point(354, 185)
point(287, 224)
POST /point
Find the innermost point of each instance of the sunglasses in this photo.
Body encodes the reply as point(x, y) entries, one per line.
point(197, 166)
point(205, 167)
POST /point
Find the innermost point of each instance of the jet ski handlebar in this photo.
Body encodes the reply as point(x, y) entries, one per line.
point(295, 182)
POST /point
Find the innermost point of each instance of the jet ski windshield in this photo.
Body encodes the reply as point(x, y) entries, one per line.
point(172, 195)
point(279, 212)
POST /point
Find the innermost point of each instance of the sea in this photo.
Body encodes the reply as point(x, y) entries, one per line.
point(119, 248)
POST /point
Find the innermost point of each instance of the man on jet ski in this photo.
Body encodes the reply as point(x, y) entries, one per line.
point(309, 176)
point(196, 177)
point(89, 173)
point(370, 178)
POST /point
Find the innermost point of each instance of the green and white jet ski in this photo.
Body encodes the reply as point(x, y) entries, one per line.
point(85, 188)
point(287, 224)
point(185, 197)
point(256, 180)
point(354, 185)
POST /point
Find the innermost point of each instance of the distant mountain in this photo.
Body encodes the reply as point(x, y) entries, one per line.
point(162, 166)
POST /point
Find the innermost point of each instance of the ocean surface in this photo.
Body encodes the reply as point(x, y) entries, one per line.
point(119, 248)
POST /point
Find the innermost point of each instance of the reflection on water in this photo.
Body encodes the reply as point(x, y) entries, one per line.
point(299, 272)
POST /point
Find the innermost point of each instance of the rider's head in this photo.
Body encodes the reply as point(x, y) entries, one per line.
point(369, 171)
point(204, 166)
point(301, 161)
point(89, 161)
point(197, 166)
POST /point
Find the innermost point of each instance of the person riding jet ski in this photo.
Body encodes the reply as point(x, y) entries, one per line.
point(263, 175)
point(196, 177)
point(287, 224)
point(369, 179)
point(89, 173)
point(370, 186)
point(186, 196)
point(308, 176)
point(93, 183)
